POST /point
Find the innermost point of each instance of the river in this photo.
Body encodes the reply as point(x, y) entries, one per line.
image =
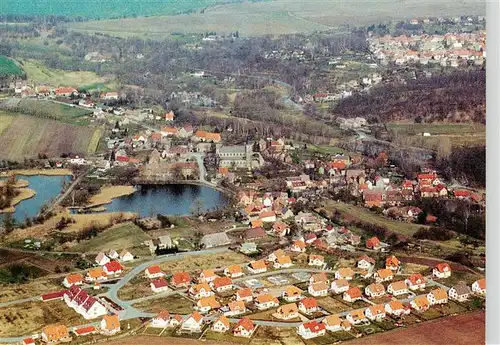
point(173, 200)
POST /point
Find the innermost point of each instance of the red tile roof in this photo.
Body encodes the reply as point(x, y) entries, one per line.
point(314, 326)
point(113, 266)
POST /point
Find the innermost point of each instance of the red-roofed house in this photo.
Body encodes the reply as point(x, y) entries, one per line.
point(442, 270)
point(192, 323)
point(308, 305)
point(154, 272)
point(222, 284)
point(352, 295)
point(479, 287)
point(415, 281)
point(281, 229)
point(85, 331)
point(267, 216)
point(112, 268)
point(159, 285)
point(181, 279)
point(373, 243)
point(298, 246)
point(244, 328)
point(311, 329)
point(244, 295)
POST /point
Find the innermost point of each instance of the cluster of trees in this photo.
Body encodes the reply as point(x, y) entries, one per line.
point(456, 97)
point(459, 216)
point(8, 192)
point(434, 234)
point(18, 274)
point(465, 164)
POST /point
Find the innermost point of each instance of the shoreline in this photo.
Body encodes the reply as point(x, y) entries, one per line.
point(25, 194)
point(42, 172)
point(107, 194)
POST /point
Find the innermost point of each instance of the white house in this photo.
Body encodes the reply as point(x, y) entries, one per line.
point(397, 288)
point(244, 328)
point(375, 290)
point(366, 263)
point(161, 320)
point(221, 325)
point(441, 270)
point(192, 323)
point(244, 295)
point(113, 254)
point(396, 308)
point(415, 281)
point(375, 312)
point(263, 302)
point(159, 285)
point(460, 292)
point(318, 289)
point(236, 308)
point(102, 259)
point(356, 317)
point(479, 287)
point(78, 299)
point(256, 267)
point(200, 290)
point(316, 260)
point(153, 272)
point(333, 323)
point(311, 329)
point(125, 256)
point(339, 286)
point(437, 296)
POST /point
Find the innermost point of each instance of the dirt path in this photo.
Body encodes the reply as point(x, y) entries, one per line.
point(458, 330)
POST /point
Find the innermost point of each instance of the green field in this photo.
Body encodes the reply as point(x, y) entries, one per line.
point(50, 110)
point(365, 215)
point(44, 75)
point(437, 128)
point(26, 136)
point(9, 67)
point(280, 17)
point(97, 9)
point(118, 237)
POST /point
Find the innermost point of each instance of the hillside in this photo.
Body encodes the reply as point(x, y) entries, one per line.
point(458, 97)
point(96, 9)
point(27, 136)
point(9, 67)
point(280, 17)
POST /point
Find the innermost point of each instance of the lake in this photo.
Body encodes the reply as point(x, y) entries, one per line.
point(46, 188)
point(173, 200)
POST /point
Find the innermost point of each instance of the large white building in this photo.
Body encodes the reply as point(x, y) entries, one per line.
point(239, 156)
point(89, 307)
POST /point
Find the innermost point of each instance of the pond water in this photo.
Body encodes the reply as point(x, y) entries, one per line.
point(46, 188)
point(174, 200)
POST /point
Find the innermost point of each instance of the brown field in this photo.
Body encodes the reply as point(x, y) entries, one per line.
point(458, 330)
point(26, 318)
point(174, 304)
point(44, 231)
point(200, 262)
point(34, 288)
point(27, 136)
point(332, 305)
point(266, 335)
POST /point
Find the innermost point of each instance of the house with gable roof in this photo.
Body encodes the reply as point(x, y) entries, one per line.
point(311, 329)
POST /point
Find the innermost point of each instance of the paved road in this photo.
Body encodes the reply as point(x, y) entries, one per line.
point(68, 190)
point(131, 313)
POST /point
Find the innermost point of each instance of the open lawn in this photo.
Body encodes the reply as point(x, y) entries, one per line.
point(42, 74)
point(137, 288)
point(266, 335)
point(217, 336)
point(9, 67)
point(430, 314)
point(27, 318)
point(44, 231)
point(436, 128)
point(36, 287)
point(450, 308)
point(201, 262)
point(50, 110)
point(121, 236)
point(27, 136)
point(175, 304)
point(365, 215)
point(277, 17)
point(458, 330)
point(457, 277)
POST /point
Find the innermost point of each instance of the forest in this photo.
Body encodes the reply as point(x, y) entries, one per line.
point(456, 97)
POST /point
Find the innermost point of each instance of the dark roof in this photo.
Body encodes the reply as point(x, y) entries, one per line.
point(253, 233)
